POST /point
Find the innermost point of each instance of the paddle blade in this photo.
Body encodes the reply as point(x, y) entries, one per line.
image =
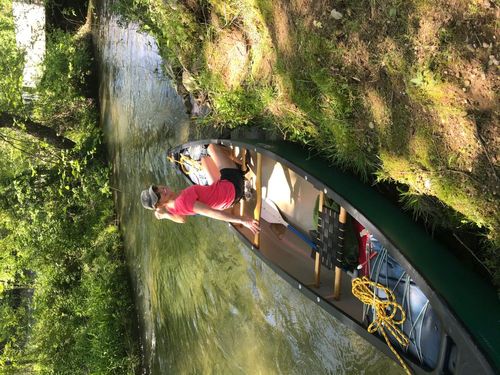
point(279, 230)
point(270, 213)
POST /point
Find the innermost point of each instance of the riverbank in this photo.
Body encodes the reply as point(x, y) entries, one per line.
point(393, 92)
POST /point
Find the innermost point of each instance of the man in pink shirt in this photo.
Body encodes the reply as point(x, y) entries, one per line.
point(226, 187)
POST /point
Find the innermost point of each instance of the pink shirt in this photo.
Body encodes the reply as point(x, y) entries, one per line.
point(219, 196)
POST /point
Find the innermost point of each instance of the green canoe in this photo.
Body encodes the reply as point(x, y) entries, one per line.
point(452, 314)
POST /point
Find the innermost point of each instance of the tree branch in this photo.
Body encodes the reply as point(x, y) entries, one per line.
point(36, 130)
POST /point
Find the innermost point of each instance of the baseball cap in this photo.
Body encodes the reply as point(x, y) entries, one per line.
point(149, 198)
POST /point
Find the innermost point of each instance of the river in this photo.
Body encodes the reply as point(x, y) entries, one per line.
point(205, 303)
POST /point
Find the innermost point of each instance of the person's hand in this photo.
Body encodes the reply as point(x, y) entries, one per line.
point(251, 224)
point(161, 214)
point(158, 215)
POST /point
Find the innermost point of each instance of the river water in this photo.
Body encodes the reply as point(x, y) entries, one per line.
point(206, 304)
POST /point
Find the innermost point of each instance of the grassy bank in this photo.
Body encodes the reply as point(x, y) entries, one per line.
point(65, 296)
point(394, 91)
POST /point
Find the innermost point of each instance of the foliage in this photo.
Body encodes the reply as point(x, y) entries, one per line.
point(11, 66)
point(173, 25)
point(65, 297)
point(235, 107)
point(81, 306)
point(63, 88)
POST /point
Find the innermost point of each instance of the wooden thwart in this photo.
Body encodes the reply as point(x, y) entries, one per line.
point(244, 169)
point(258, 204)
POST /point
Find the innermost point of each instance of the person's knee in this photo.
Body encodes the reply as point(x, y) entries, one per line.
point(211, 149)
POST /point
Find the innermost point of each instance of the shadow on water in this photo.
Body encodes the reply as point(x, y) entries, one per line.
point(205, 303)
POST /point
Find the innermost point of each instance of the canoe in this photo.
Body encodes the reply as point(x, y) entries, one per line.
point(360, 258)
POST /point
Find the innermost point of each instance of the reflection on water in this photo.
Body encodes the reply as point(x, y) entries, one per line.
point(206, 304)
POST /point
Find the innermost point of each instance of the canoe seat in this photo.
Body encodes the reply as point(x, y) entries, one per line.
point(329, 239)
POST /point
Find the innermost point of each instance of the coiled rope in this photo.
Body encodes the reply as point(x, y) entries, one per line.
point(385, 313)
point(187, 164)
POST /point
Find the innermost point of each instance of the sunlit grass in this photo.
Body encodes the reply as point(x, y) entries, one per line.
point(378, 109)
point(442, 184)
point(423, 150)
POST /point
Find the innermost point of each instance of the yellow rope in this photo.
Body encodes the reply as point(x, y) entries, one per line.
point(385, 312)
point(185, 161)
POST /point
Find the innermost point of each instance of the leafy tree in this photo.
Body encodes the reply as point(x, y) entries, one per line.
point(11, 63)
point(57, 221)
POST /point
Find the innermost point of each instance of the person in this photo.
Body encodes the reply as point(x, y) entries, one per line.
point(225, 188)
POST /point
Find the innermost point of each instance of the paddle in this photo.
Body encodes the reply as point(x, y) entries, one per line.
point(270, 213)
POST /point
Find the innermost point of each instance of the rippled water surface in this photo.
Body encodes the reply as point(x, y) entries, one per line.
point(206, 304)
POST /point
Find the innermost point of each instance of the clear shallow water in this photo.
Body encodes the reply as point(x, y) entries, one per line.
point(206, 304)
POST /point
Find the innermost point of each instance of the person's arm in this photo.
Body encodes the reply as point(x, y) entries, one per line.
point(203, 209)
point(161, 213)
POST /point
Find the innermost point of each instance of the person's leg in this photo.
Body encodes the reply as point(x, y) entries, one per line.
point(220, 157)
point(211, 171)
